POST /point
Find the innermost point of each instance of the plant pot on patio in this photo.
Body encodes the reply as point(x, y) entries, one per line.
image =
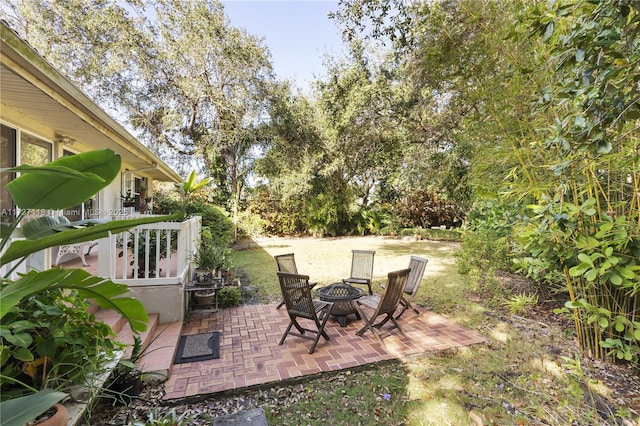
point(126, 389)
point(204, 297)
point(203, 275)
point(57, 415)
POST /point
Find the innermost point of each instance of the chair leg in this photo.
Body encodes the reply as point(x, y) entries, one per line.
point(404, 308)
point(398, 327)
point(406, 304)
point(368, 326)
point(414, 308)
point(280, 305)
point(324, 317)
point(384, 321)
point(375, 327)
point(321, 332)
point(284, 336)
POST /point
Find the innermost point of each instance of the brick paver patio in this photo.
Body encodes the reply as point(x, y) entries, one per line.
point(250, 354)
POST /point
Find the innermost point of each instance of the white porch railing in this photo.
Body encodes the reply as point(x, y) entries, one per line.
point(153, 254)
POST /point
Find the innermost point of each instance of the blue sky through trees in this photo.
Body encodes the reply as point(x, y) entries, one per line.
point(298, 34)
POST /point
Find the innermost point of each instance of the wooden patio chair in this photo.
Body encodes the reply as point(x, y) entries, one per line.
point(297, 298)
point(384, 304)
point(287, 263)
point(361, 268)
point(417, 266)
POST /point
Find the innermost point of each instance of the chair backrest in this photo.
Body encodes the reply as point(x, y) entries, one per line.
point(297, 294)
point(362, 264)
point(286, 263)
point(392, 293)
point(417, 266)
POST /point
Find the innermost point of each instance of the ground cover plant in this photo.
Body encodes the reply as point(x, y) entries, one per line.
point(528, 373)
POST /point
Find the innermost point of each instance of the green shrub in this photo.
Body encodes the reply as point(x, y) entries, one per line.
point(487, 243)
point(521, 303)
point(229, 297)
point(53, 342)
point(213, 217)
point(216, 219)
point(251, 224)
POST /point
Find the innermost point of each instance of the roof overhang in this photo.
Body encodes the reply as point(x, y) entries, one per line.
point(31, 86)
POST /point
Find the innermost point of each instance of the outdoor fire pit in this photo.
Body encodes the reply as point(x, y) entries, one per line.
point(342, 296)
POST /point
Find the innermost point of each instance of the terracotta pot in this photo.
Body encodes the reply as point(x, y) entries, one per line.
point(60, 418)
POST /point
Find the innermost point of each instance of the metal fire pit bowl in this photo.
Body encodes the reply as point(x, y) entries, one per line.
point(342, 296)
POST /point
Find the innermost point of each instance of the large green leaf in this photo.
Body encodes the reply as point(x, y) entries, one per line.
point(56, 190)
point(20, 411)
point(48, 169)
point(22, 248)
point(106, 293)
point(189, 186)
point(45, 225)
point(5, 230)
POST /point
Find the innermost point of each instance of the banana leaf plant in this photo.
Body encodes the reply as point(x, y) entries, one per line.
point(190, 186)
point(63, 184)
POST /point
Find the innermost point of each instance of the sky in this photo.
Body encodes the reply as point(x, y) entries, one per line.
point(298, 34)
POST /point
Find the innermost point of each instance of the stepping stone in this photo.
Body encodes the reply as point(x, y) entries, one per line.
point(253, 417)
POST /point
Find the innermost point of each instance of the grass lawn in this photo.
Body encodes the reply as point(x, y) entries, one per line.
point(327, 260)
point(528, 373)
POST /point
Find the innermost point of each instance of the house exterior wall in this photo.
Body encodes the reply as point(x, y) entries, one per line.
point(109, 200)
point(166, 300)
point(38, 100)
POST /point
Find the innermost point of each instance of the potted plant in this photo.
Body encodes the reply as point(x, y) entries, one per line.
point(128, 199)
point(43, 408)
point(126, 382)
point(210, 260)
point(206, 261)
point(59, 185)
point(58, 343)
point(142, 191)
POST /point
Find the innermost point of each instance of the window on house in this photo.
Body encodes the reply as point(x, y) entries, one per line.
point(32, 151)
point(7, 159)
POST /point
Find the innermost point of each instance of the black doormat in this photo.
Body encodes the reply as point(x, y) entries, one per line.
point(198, 347)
